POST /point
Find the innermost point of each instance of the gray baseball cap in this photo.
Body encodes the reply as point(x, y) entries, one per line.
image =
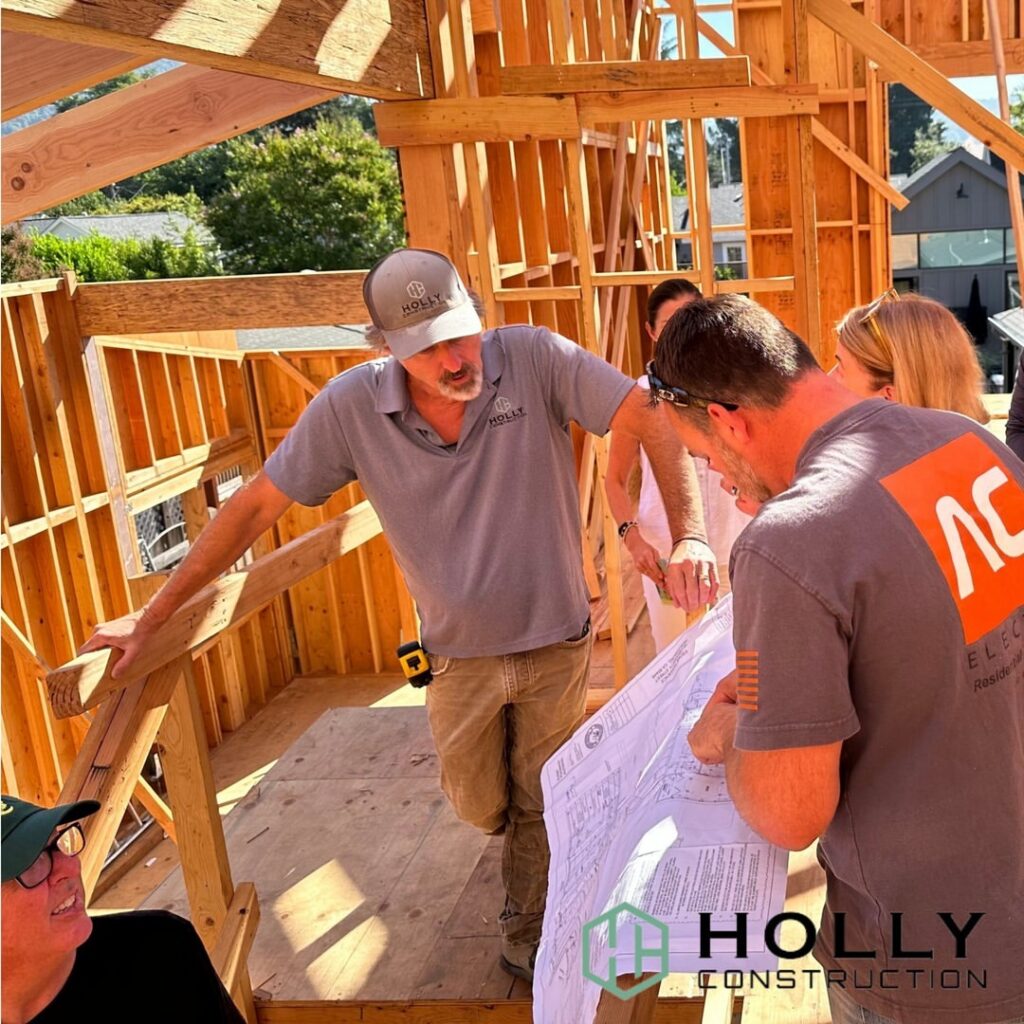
point(416, 299)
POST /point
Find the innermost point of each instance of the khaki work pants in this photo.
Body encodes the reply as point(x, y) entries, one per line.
point(495, 721)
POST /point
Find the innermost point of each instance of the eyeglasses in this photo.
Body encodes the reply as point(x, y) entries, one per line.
point(70, 842)
point(662, 392)
point(869, 320)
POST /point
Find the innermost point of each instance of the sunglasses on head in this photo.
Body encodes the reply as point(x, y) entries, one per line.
point(871, 323)
point(662, 392)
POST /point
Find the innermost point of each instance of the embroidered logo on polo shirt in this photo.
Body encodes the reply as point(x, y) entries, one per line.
point(504, 412)
point(970, 512)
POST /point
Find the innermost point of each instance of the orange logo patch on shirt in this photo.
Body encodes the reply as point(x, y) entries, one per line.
point(970, 511)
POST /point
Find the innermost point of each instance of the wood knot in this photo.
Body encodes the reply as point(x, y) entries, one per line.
point(17, 184)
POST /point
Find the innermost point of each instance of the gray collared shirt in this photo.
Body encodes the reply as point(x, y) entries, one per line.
point(486, 531)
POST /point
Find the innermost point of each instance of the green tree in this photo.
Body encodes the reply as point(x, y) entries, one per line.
point(326, 198)
point(723, 135)
point(1017, 110)
point(929, 142)
point(907, 115)
point(98, 258)
point(18, 262)
point(94, 92)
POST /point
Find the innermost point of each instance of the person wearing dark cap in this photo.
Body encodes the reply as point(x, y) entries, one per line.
point(461, 440)
point(60, 964)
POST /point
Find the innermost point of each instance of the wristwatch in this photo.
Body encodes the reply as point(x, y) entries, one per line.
point(625, 527)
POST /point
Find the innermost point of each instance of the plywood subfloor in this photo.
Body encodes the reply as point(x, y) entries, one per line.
point(467, 941)
point(369, 887)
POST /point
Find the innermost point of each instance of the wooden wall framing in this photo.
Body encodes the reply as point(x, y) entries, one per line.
point(100, 429)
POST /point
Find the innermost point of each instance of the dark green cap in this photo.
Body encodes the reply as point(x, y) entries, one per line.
point(26, 829)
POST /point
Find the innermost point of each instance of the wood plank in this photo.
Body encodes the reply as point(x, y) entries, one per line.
point(135, 129)
point(190, 789)
point(361, 47)
point(802, 191)
point(220, 303)
point(669, 105)
point(119, 740)
point(486, 16)
point(835, 145)
point(37, 71)
point(289, 369)
point(231, 953)
point(476, 119)
point(921, 78)
point(625, 75)
point(430, 1011)
point(539, 294)
point(756, 284)
point(86, 680)
point(969, 59)
point(831, 141)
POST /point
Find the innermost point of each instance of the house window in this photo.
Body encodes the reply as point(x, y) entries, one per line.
point(1012, 289)
point(962, 248)
point(734, 254)
point(904, 252)
point(903, 285)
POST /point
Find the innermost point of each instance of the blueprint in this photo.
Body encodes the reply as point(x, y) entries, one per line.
point(632, 816)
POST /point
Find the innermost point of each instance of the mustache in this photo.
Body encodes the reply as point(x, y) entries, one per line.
point(466, 368)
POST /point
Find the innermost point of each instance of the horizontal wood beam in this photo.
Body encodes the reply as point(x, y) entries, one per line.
point(222, 303)
point(755, 284)
point(480, 119)
point(134, 129)
point(671, 1010)
point(624, 75)
point(970, 59)
point(36, 71)
point(903, 65)
point(373, 49)
point(556, 293)
point(84, 682)
point(617, 279)
point(674, 104)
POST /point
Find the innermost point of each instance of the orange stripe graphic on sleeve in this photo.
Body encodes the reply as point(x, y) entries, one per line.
point(747, 680)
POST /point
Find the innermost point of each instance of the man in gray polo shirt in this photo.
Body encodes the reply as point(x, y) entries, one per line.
point(879, 698)
point(462, 444)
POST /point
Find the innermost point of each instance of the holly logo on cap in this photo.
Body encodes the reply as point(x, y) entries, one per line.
point(416, 289)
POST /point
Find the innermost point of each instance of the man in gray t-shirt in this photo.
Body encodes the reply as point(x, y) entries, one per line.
point(461, 441)
point(878, 701)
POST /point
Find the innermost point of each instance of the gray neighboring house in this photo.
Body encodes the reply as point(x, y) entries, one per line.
point(298, 338)
point(141, 226)
point(956, 228)
point(730, 246)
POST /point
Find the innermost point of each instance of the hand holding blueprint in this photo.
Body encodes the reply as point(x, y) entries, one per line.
point(633, 817)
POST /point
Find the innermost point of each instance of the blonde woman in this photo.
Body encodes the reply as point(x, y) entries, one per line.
point(904, 348)
point(910, 349)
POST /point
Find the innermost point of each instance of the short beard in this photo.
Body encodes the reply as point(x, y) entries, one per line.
point(466, 390)
point(743, 477)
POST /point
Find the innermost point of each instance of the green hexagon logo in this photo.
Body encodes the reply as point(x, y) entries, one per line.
point(645, 928)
